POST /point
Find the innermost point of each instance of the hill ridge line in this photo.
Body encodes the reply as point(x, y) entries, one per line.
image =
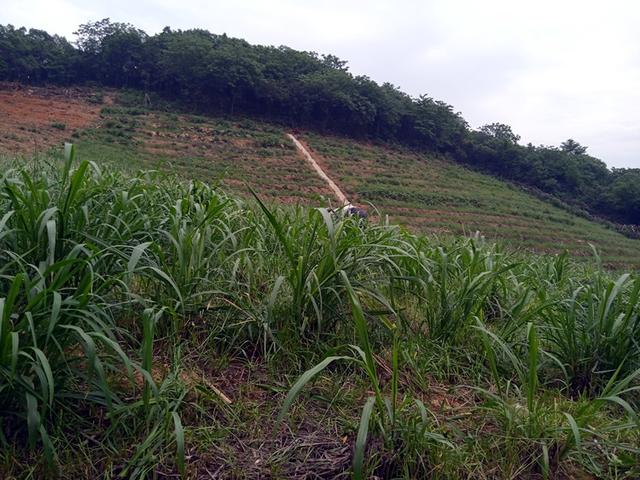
point(332, 185)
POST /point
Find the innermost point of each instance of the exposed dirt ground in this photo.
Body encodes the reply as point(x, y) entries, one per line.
point(32, 120)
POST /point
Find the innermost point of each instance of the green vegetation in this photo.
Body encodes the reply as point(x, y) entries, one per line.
point(217, 74)
point(151, 327)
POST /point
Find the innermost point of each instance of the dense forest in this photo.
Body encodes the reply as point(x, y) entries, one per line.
point(219, 74)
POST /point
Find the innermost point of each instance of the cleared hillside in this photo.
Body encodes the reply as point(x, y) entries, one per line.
point(35, 119)
point(429, 194)
point(419, 191)
point(237, 154)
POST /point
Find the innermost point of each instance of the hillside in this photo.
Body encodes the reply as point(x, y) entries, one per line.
point(434, 195)
point(423, 192)
point(220, 75)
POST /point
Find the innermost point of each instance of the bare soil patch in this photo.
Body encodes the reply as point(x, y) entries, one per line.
point(34, 119)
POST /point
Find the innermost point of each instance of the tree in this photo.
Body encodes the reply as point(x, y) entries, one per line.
point(621, 200)
point(112, 52)
point(92, 34)
point(34, 56)
point(500, 131)
point(573, 147)
point(334, 62)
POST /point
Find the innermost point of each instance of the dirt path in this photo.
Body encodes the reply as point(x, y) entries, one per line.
point(336, 190)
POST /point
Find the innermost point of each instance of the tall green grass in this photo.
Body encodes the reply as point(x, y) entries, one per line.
point(105, 277)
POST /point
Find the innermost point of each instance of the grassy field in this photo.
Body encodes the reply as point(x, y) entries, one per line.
point(157, 328)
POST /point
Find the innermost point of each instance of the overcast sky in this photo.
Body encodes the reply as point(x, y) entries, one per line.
point(550, 69)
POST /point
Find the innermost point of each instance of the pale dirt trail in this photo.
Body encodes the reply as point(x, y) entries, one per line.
point(336, 190)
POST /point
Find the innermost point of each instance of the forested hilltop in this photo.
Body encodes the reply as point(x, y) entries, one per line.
point(216, 73)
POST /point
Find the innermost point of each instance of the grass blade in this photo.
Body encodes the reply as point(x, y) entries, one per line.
point(361, 439)
point(179, 433)
point(305, 378)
